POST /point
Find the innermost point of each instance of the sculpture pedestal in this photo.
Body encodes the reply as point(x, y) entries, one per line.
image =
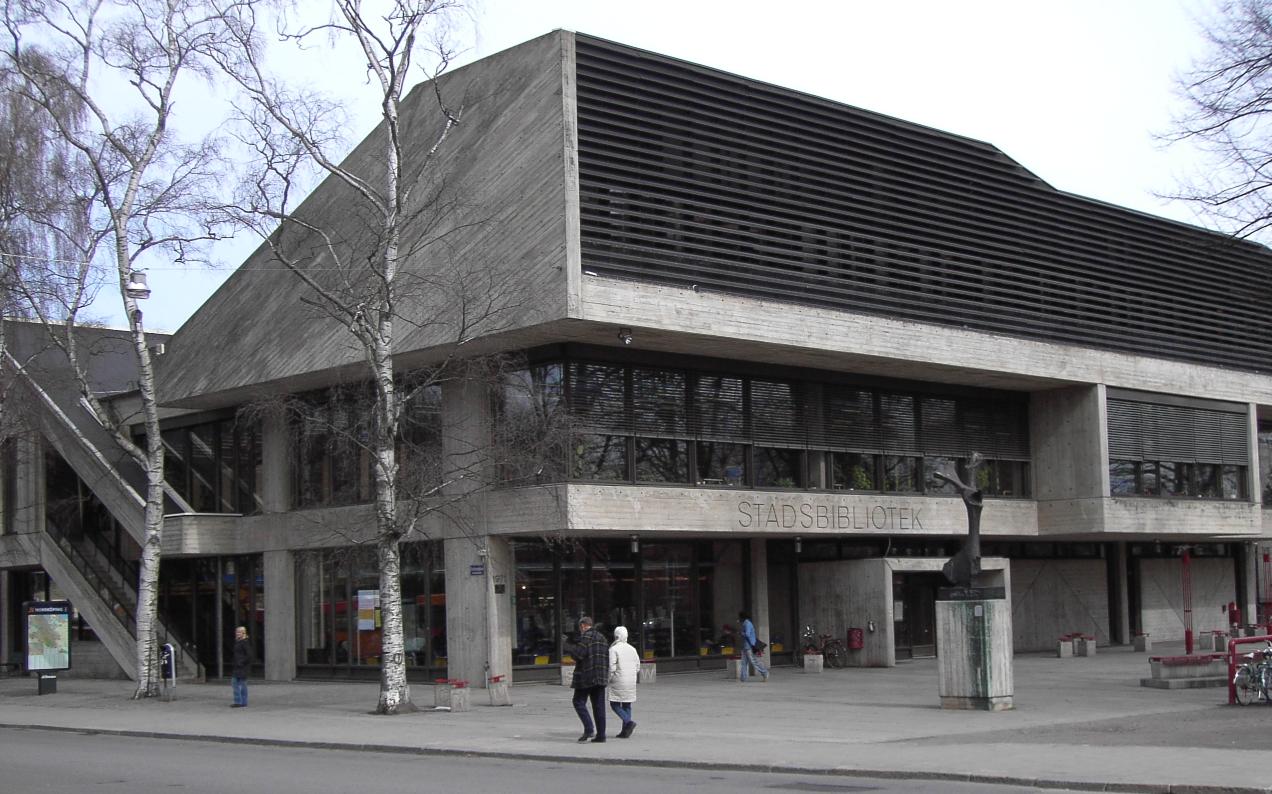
point(974, 650)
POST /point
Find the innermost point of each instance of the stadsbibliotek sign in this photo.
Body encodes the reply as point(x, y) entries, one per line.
point(783, 515)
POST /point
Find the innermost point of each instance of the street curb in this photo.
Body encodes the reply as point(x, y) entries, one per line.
point(713, 766)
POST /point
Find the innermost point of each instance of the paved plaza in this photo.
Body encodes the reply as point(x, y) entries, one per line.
point(1078, 723)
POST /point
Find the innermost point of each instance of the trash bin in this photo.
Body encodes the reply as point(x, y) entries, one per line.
point(856, 639)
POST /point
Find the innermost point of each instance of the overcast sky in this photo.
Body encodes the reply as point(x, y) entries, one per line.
point(1075, 90)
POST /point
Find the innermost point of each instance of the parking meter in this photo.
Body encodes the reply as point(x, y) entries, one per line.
point(168, 663)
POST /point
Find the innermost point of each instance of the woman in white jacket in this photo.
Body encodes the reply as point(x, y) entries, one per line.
point(624, 663)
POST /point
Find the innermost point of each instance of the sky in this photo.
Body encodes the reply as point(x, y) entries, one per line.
point(1077, 91)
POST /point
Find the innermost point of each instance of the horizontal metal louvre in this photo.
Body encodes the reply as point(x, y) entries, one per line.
point(780, 413)
point(896, 418)
point(1149, 431)
point(688, 175)
point(848, 420)
point(717, 408)
point(597, 395)
point(659, 403)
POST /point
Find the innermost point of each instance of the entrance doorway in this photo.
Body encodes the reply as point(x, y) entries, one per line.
point(914, 613)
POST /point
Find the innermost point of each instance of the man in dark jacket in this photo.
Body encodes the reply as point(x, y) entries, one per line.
point(591, 675)
point(241, 668)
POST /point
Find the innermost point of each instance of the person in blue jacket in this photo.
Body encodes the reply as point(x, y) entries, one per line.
point(748, 648)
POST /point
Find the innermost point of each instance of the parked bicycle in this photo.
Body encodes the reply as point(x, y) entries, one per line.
point(1253, 679)
point(834, 652)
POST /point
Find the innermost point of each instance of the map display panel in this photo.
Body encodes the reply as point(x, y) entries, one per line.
point(48, 634)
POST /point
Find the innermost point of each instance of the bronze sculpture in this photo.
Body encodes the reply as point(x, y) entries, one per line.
point(960, 568)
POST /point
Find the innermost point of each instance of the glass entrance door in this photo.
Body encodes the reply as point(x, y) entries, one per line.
point(914, 613)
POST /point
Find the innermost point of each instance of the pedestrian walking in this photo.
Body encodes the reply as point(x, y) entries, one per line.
point(748, 648)
point(241, 668)
point(591, 675)
point(624, 664)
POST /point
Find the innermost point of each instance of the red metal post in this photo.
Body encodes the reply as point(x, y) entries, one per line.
point(1186, 577)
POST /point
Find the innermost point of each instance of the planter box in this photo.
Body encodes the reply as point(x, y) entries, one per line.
point(813, 662)
point(1084, 646)
point(459, 699)
point(733, 668)
point(1206, 641)
point(1064, 648)
point(1143, 644)
point(567, 675)
point(498, 691)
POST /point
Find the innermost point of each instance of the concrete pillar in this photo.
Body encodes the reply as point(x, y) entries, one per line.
point(29, 511)
point(6, 613)
point(276, 463)
point(759, 588)
point(479, 614)
point(280, 615)
point(1121, 627)
point(479, 567)
point(726, 588)
point(1249, 596)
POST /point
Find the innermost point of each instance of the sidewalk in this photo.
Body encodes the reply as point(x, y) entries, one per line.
point(1078, 723)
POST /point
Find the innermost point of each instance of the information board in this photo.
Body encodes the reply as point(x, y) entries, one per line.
point(48, 635)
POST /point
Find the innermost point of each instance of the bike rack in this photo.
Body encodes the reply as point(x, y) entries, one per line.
point(1232, 660)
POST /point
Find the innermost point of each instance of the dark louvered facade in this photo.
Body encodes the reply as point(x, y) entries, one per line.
point(693, 176)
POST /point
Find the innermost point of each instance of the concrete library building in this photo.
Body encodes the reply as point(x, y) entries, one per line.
point(739, 330)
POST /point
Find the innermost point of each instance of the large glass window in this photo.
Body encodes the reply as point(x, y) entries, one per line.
point(662, 460)
point(779, 468)
point(854, 471)
point(721, 463)
point(900, 473)
point(215, 466)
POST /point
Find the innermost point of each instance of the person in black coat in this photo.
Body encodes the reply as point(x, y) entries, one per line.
point(591, 676)
point(241, 668)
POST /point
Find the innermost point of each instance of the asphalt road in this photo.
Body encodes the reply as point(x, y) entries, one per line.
point(69, 763)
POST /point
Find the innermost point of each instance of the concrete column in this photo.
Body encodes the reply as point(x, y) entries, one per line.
point(276, 463)
point(1249, 596)
point(479, 567)
point(280, 615)
point(28, 514)
point(479, 614)
point(1121, 588)
point(759, 588)
point(6, 612)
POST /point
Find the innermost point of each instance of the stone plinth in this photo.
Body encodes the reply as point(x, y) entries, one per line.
point(813, 662)
point(974, 642)
point(647, 674)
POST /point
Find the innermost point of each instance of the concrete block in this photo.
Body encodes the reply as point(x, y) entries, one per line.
point(498, 691)
point(976, 654)
point(1084, 646)
point(567, 675)
point(733, 669)
point(648, 673)
point(1205, 641)
point(441, 695)
point(1064, 649)
point(813, 662)
point(459, 699)
point(1143, 644)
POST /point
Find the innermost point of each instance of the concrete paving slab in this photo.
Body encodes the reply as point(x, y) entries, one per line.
point(1078, 722)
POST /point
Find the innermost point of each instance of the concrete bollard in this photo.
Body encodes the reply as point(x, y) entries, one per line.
point(1144, 645)
point(1084, 646)
point(733, 668)
point(647, 674)
point(459, 696)
point(567, 675)
point(813, 662)
point(1064, 648)
point(498, 691)
point(441, 694)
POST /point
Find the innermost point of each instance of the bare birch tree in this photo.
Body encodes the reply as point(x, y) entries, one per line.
point(1228, 95)
point(124, 62)
point(359, 281)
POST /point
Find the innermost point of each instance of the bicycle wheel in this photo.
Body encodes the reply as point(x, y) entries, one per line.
point(1246, 684)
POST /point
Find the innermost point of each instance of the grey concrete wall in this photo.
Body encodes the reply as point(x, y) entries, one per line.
point(1121, 587)
point(92, 660)
point(479, 621)
point(1162, 600)
point(760, 589)
point(1054, 597)
point(727, 589)
point(280, 615)
point(1066, 435)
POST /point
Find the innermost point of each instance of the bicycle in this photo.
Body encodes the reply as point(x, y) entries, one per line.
point(832, 649)
point(1254, 678)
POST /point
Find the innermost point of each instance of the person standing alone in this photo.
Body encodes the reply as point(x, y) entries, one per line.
point(748, 649)
point(624, 664)
point(241, 668)
point(591, 674)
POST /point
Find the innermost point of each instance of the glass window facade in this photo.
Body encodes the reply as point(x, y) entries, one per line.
point(679, 600)
point(215, 466)
point(339, 628)
point(634, 423)
point(203, 599)
point(1180, 449)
